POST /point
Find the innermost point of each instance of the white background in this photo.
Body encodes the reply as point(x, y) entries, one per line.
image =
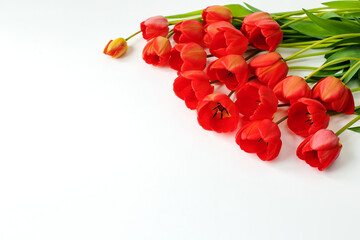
point(97, 148)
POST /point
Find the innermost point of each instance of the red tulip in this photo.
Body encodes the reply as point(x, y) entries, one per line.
point(217, 112)
point(116, 48)
point(334, 94)
point(320, 149)
point(262, 31)
point(256, 101)
point(212, 29)
point(154, 26)
point(269, 68)
point(189, 31)
point(232, 70)
point(187, 56)
point(291, 88)
point(215, 14)
point(307, 116)
point(157, 51)
point(261, 137)
point(192, 87)
point(228, 41)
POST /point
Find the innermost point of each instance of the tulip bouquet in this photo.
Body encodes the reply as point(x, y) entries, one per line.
point(233, 47)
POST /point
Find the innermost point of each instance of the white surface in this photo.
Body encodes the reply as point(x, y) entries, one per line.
point(97, 148)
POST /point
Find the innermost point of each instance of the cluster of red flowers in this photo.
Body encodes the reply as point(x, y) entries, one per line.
point(259, 82)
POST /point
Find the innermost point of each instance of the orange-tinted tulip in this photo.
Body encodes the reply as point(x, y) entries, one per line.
point(187, 56)
point(291, 88)
point(116, 48)
point(270, 68)
point(215, 14)
point(154, 26)
point(189, 31)
point(334, 94)
point(157, 51)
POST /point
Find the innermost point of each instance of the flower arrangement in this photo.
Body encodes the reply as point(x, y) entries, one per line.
point(241, 43)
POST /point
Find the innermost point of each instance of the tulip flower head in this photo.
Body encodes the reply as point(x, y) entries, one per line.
point(320, 149)
point(192, 87)
point(217, 112)
point(256, 101)
point(228, 41)
point(262, 31)
point(261, 137)
point(307, 116)
point(157, 51)
point(215, 14)
point(232, 70)
point(334, 94)
point(116, 48)
point(291, 88)
point(189, 31)
point(187, 56)
point(154, 27)
point(213, 28)
point(270, 68)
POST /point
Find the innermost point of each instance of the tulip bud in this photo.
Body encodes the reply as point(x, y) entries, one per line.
point(291, 89)
point(334, 94)
point(270, 68)
point(154, 27)
point(216, 13)
point(116, 48)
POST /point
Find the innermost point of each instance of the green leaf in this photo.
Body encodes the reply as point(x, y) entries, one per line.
point(355, 129)
point(333, 26)
point(308, 28)
point(353, 51)
point(342, 4)
point(238, 10)
point(353, 72)
point(252, 8)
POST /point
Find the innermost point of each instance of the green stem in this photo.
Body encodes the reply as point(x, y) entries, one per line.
point(347, 125)
point(350, 70)
point(355, 90)
point(213, 82)
point(185, 15)
point(322, 41)
point(303, 67)
point(126, 39)
point(282, 119)
point(330, 63)
point(171, 32)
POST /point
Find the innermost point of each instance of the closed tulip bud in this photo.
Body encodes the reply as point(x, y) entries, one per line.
point(215, 14)
point(334, 94)
point(187, 56)
point(157, 51)
point(189, 31)
point(291, 88)
point(116, 48)
point(320, 149)
point(154, 27)
point(270, 68)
